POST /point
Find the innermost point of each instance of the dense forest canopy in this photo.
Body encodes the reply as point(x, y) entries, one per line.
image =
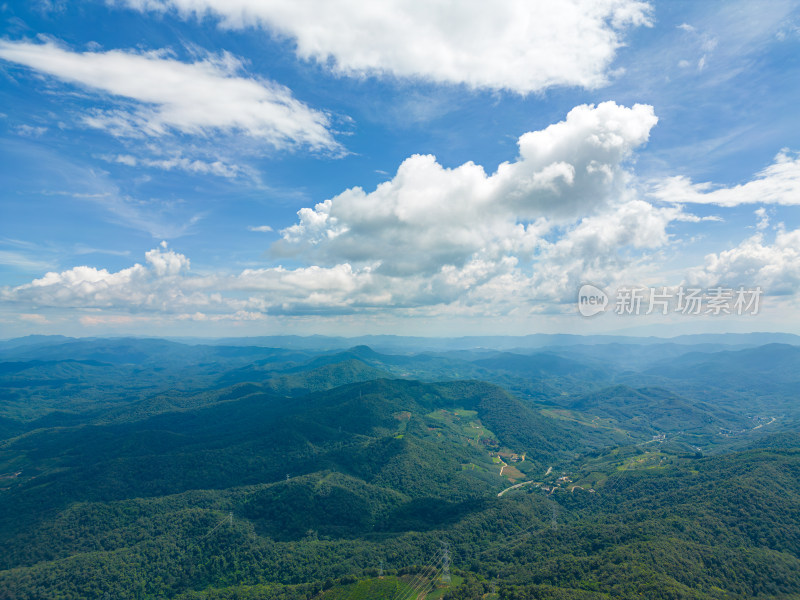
point(572, 468)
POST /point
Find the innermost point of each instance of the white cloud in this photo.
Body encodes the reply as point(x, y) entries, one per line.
point(104, 320)
point(774, 267)
point(428, 238)
point(779, 183)
point(429, 216)
point(22, 260)
point(46, 7)
point(260, 228)
point(612, 247)
point(239, 315)
point(165, 284)
point(433, 240)
point(763, 218)
point(180, 163)
point(166, 264)
point(84, 249)
point(31, 131)
point(789, 31)
point(700, 43)
point(34, 318)
point(204, 97)
point(150, 286)
point(519, 45)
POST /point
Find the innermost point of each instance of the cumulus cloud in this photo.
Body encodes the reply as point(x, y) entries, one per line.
point(428, 216)
point(151, 285)
point(774, 267)
point(430, 237)
point(199, 98)
point(779, 183)
point(616, 246)
point(433, 239)
point(519, 45)
point(165, 284)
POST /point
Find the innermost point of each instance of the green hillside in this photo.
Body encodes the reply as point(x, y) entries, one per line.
point(286, 475)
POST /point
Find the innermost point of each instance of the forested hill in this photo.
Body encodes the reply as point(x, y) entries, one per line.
point(138, 470)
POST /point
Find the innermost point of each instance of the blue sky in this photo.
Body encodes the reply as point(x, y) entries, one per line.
point(239, 167)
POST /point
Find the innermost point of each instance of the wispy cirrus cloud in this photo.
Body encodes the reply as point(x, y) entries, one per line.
point(160, 95)
point(161, 219)
point(23, 261)
point(779, 183)
point(178, 162)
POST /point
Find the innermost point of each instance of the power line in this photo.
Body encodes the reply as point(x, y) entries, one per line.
point(446, 564)
point(429, 583)
point(400, 592)
point(421, 577)
point(417, 583)
point(229, 519)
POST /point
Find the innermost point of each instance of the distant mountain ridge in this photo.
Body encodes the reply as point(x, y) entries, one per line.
point(439, 344)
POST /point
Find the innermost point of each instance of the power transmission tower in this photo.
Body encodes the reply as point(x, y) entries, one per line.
point(380, 570)
point(446, 564)
point(554, 517)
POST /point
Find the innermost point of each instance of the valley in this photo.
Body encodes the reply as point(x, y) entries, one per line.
point(136, 468)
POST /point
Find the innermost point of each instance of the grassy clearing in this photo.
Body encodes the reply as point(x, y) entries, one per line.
point(385, 588)
point(513, 473)
point(470, 414)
